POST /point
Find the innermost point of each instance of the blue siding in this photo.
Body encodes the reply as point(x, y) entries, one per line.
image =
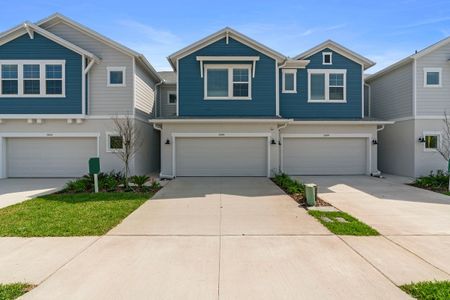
point(41, 48)
point(191, 88)
point(297, 106)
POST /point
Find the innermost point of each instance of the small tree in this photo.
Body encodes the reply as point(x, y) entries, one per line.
point(125, 126)
point(443, 146)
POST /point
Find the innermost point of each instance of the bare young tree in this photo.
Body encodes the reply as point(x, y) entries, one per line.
point(443, 146)
point(125, 126)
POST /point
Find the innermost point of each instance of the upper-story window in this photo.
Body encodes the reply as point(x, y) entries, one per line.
point(327, 58)
point(432, 77)
point(116, 76)
point(223, 82)
point(32, 78)
point(289, 81)
point(172, 98)
point(327, 86)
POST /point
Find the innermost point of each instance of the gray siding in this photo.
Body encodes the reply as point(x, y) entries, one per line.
point(396, 149)
point(144, 91)
point(102, 99)
point(147, 158)
point(433, 101)
point(166, 109)
point(392, 94)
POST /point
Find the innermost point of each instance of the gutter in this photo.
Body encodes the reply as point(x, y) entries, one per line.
point(174, 121)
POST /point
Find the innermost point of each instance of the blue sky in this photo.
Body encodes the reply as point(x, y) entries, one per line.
point(384, 31)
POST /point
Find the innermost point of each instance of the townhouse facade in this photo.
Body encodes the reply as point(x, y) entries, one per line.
point(415, 93)
point(62, 84)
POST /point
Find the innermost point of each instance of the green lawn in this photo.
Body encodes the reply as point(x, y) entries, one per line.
point(352, 227)
point(69, 214)
point(428, 290)
point(13, 290)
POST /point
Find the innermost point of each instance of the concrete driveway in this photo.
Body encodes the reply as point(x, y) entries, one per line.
point(229, 238)
point(16, 190)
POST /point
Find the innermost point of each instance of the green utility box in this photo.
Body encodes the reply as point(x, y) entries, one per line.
point(311, 194)
point(94, 165)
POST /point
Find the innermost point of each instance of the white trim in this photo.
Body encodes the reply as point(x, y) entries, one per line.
point(83, 84)
point(133, 83)
point(367, 63)
point(367, 136)
point(327, 73)
point(363, 94)
point(343, 122)
point(253, 59)
point(168, 97)
point(289, 71)
point(229, 68)
point(434, 70)
point(432, 133)
point(175, 135)
point(277, 89)
point(109, 134)
point(324, 54)
point(116, 69)
point(42, 78)
point(203, 121)
point(414, 87)
point(178, 89)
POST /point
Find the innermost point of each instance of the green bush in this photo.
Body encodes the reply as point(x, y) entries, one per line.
point(81, 185)
point(288, 184)
point(139, 180)
point(437, 181)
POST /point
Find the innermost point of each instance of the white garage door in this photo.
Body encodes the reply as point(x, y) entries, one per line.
point(49, 157)
point(324, 156)
point(221, 156)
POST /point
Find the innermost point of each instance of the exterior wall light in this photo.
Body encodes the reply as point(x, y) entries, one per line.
point(421, 139)
point(273, 142)
point(374, 142)
point(167, 142)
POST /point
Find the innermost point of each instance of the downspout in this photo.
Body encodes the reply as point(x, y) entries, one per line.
point(278, 86)
point(279, 144)
point(378, 172)
point(156, 98)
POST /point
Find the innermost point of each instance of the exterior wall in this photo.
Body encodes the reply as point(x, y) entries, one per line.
point(166, 109)
point(41, 48)
point(392, 94)
point(426, 161)
point(396, 147)
point(295, 105)
point(145, 161)
point(147, 158)
point(102, 100)
point(191, 85)
point(433, 101)
point(144, 91)
point(340, 129)
point(168, 129)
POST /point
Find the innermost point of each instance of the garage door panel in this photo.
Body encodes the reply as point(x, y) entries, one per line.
point(221, 156)
point(325, 156)
point(49, 157)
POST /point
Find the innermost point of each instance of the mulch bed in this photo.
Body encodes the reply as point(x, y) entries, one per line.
point(301, 199)
point(440, 189)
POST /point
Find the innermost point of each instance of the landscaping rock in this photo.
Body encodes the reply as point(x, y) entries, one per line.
point(326, 219)
point(342, 220)
point(322, 208)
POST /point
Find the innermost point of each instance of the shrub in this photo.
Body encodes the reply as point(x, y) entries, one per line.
point(108, 184)
point(81, 185)
point(288, 184)
point(438, 180)
point(139, 180)
point(155, 185)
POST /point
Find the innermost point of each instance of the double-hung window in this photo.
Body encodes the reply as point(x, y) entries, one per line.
point(289, 80)
point(32, 78)
point(327, 86)
point(227, 82)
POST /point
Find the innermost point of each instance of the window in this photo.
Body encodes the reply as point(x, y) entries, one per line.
point(432, 77)
point(327, 86)
point(289, 81)
point(32, 78)
point(10, 79)
point(172, 99)
point(227, 82)
point(431, 141)
point(327, 58)
point(116, 76)
point(114, 142)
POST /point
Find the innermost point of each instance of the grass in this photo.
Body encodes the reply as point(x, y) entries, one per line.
point(428, 290)
point(69, 214)
point(13, 290)
point(352, 227)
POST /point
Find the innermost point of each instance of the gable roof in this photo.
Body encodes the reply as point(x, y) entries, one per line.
point(367, 63)
point(57, 18)
point(30, 28)
point(223, 33)
point(410, 58)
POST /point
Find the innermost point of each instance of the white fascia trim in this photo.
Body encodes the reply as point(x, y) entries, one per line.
point(277, 89)
point(209, 121)
point(178, 89)
point(253, 59)
point(342, 122)
point(49, 134)
point(425, 71)
point(42, 116)
point(175, 135)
